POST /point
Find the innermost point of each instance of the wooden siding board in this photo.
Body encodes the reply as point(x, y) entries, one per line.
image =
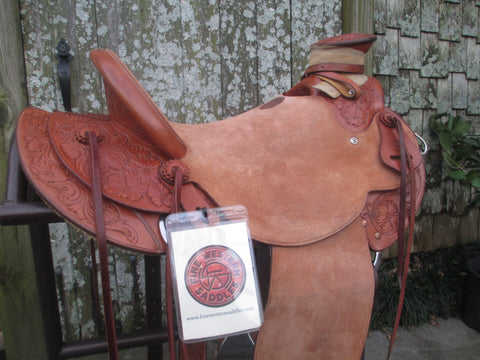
point(445, 230)
point(394, 13)
point(431, 139)
point(423, 93)
point(386, 54)
point(162, 75)
point(459, 91)
point(38, 48)
point(434, 56)
point(457, 56)
point(202, 96)
point(473, 107)
point(409, 53)
point(444, 92)
point(430, 13)
point(410, 20)
point(450, 21)
point(79, 293)
point(457, 197)
point(126, 286)
point(238, 57)
point(472, 59)
point(470, 18)
point(130, 289)
point(380, 16)
point(66, 281)
point(423, 234)
point(274, 48)
point(415, 120)
point(433, 201)
point(468, 226)
point(400, 93)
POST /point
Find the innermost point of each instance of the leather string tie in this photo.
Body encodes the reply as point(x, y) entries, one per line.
point(102, 247)
point(178, 176)
point(407, 179)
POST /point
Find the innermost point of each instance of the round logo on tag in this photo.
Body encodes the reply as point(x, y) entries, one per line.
point(215, 276)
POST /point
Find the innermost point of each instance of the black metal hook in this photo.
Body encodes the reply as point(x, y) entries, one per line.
point(63, 69)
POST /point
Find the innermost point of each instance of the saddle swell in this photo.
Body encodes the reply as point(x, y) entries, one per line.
point(324, 169)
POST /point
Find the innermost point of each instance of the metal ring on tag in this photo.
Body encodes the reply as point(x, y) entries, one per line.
point(378, 259)
point(163, 229)
point(425, 145)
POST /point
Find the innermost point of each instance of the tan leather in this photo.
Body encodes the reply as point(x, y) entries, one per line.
point(320, 300)
point(288, 164)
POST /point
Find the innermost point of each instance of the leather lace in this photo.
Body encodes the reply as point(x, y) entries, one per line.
point(102, 248)
point(407, 177)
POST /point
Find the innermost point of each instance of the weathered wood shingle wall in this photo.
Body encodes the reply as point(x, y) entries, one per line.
point(427, 57)
point(199, 60)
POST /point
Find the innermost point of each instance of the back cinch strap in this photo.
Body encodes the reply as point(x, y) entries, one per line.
point(102, 248)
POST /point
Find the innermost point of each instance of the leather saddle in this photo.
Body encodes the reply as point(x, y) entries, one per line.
point(325, 170)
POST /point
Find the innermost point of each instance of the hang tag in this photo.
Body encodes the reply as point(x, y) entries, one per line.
point(214, 275)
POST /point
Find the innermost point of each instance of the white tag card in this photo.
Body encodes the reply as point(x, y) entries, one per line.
point(214, 275)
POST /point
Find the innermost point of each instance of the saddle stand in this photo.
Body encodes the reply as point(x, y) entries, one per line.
point(325, 170)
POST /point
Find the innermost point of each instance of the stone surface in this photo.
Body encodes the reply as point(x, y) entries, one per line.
point(451, 339)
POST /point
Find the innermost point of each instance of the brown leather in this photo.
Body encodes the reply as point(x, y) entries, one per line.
point(335, 67)
point(360, 42)
point(126, 98)
point(67, 194)
point(102, 247)
point(312, 171)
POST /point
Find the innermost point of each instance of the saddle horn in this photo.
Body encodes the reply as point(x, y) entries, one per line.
point(125, 96)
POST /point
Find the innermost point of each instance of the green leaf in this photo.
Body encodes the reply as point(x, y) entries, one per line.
point(472, 175)
point(437, 126)
point(464, 151)
point(438, 116)
point(449, 159)
point(471, 141)
point(476, 182)
point(446, 140)
point(457, 175)
point(451, 121)
point(461, 128)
